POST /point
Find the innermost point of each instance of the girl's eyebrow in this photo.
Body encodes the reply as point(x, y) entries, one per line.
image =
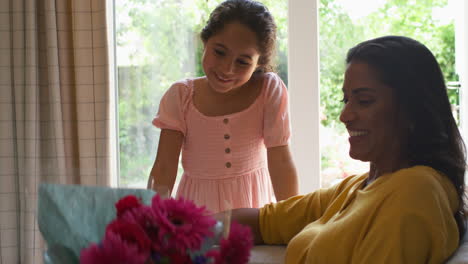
point(247, 56)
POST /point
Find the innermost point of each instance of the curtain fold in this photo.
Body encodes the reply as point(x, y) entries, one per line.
point(54, 110)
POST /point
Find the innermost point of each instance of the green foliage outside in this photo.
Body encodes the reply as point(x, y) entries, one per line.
point(160, 42)
point(409, 18)
point(396, 17)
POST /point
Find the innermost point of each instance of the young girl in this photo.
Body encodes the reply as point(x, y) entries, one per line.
point(232, 124)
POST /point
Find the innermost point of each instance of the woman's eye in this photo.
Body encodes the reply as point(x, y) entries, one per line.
point(219, 52)
point(344, 100)
point(365, 102)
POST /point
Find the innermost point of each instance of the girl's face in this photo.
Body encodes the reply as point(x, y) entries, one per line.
point(230, 57)
point(369, 115)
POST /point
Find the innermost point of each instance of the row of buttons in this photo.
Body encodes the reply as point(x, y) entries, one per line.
point(226, 137)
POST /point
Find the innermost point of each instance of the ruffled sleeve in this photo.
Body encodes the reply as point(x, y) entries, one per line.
point(276, 124)
point(171, 113)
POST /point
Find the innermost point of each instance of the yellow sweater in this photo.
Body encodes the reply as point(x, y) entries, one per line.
point(402, 217)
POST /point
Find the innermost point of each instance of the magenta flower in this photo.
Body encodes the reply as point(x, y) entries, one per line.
point(126, 203)
point(112, 250)
point(145, 217)
point(131, 233)
point(168, 231)
point(183, 224)
point(235, 249)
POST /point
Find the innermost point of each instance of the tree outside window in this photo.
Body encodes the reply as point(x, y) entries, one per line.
point(158, 44)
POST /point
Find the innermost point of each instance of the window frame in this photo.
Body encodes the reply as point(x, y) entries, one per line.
point(461, 63)
point(303, 83)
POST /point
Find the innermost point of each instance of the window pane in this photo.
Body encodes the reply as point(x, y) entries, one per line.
point(158, 44)
point(345, 23)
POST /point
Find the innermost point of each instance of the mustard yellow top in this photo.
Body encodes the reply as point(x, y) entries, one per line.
point(402, 217)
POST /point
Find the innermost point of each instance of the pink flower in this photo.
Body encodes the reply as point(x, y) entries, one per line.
point(126, 203)
point(165, 232)
point(113, 250)
point(235, 249)
point(131, 233)
point(182, 223)
point(180, 259)
point(145, 217)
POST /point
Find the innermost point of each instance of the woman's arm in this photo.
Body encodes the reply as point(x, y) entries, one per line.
point(165, 166)
point(282, 172)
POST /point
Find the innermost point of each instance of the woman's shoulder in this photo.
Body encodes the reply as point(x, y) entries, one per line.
point(415, 179)
point(420, 185)
point(419, 175)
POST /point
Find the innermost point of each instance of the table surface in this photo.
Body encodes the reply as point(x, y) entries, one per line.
point(267, 254)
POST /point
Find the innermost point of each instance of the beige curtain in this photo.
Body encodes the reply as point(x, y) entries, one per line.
point(54, 110)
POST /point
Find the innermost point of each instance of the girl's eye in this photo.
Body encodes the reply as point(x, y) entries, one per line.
point(344, 100)
point(244, 63)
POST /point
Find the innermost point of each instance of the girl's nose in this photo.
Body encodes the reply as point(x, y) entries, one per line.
point(228, 66)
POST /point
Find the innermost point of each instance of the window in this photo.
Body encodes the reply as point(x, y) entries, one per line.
point(157, 43)
point(345, 23)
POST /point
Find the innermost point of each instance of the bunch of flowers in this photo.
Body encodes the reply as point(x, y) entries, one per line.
point(167, 231)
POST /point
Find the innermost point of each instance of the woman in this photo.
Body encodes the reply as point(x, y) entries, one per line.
point(409, 207)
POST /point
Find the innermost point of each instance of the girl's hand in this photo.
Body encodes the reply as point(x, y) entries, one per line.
point(165, 166)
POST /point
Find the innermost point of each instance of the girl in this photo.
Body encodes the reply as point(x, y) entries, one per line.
point(233, 123)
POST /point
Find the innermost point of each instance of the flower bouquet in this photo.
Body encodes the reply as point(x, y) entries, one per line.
point(167, 231)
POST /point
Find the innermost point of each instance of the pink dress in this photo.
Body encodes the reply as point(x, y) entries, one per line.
point(224, 157)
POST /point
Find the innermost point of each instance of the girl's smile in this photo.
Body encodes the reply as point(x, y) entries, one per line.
point(230, 57)
point(222, 79)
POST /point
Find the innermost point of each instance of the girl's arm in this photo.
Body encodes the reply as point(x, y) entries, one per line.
point(282, 172)
point(165, 166)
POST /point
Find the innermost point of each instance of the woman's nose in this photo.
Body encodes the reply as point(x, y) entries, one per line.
point(347, 114)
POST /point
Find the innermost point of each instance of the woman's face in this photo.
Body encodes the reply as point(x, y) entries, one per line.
point(230, 57)
point(369, 114)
